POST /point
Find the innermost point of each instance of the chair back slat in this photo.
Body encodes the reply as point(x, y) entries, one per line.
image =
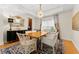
point(23, 38)
point(50, 39)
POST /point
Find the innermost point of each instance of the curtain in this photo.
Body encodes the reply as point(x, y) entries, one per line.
point(57, 25)
point(56, 20)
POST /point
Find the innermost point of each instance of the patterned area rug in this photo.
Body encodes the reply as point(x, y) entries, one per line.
point(18, 49)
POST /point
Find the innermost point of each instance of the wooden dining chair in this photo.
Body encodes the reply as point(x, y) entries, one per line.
point(28, 44)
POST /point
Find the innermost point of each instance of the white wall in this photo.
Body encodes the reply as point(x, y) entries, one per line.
point(65, 23)
point(36, 24)
point(3, 25)
point(75, 9)
point(76, 33)
point(26, 23)
point(75, 39)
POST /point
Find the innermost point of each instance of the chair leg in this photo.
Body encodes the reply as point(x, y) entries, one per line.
point(41, 46)
point(56, 47)
point(53, 50)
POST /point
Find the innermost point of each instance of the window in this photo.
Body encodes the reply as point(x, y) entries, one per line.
point(48, 24)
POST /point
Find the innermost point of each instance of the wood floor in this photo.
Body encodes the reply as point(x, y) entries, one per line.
point(69, 47)
point(8, 45)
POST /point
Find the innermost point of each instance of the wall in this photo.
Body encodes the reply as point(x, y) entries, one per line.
point(75, 9)
point(35, 24)
point(65, 23)
point(76, 26)
point(3, 28)
point(75, 39)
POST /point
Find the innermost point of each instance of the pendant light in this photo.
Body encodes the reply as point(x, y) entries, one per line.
point(40, 12)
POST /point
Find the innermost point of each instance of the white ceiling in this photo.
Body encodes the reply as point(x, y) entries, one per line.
point(35, 7)
point(31, 9)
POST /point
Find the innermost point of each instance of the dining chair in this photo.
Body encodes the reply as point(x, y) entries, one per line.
point(28, 44)
point(50, 39)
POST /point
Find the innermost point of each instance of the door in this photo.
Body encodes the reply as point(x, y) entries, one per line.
point(30, 24)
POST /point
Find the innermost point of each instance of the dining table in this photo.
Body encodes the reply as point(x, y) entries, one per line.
point(38, 35)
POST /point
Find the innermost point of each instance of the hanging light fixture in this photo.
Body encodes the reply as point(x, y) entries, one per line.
point(40, 12)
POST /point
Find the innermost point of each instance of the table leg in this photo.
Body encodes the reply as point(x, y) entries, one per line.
point(38, 45)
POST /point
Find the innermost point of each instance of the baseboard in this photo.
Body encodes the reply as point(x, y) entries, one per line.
point(75, 44)
point(67, 39)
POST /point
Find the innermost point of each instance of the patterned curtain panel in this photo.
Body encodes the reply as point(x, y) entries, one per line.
point(56, 23)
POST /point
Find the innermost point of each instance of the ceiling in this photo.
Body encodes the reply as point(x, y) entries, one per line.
point(31, 9)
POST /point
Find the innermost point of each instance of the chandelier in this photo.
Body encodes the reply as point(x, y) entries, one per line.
point(40, 12)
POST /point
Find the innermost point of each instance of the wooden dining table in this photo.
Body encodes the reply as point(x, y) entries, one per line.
point(38, 36)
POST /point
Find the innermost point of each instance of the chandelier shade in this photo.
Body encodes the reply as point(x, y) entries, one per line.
point(40, 13)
